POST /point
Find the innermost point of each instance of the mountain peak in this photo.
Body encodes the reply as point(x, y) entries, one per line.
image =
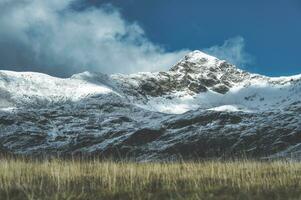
point(199, 56)
point(198, 61)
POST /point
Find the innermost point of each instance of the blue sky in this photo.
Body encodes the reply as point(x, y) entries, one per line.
point(271, 28)
point(62, 37)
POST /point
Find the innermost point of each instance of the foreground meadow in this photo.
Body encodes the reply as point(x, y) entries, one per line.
point(59, 179)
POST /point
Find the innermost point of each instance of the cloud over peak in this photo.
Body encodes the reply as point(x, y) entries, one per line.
point(51, 37)
point(232, 50)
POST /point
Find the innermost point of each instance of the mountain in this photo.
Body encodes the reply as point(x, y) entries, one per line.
point(202, 107)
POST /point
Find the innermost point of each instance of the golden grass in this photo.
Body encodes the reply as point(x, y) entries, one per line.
point(59, 179)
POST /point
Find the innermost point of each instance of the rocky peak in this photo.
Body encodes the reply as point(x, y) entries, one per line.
point(197, 72)
point(209, 71)
point(200, 57)
point(196, 61)
point(198, 64)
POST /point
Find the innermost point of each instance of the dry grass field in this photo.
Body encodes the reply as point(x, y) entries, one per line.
point(62, 179)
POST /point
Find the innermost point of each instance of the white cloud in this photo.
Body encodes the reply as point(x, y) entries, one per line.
point(50, 37)
point(233, 50)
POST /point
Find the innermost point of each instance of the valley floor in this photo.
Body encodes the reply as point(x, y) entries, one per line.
point(61, 179)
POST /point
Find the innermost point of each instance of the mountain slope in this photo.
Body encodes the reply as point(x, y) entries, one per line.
point(28, 89)
point(202, 107)
point(202, 81)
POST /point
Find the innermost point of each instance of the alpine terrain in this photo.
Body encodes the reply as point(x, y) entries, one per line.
point(202, 107)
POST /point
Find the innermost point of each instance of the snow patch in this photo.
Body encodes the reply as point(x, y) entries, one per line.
point(26, 87)
point(230, 108)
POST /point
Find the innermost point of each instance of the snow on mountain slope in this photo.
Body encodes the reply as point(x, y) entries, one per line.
point(251, 95)
point(28, 88)
point(203, 81)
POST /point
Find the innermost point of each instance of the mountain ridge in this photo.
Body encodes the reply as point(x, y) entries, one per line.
point(202, 107)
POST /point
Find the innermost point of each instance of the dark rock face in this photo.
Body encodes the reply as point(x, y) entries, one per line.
point(197, 88)
point(222, 89)
point(191, 76)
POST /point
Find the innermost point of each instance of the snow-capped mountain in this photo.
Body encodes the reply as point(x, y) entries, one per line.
point(202, 107)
